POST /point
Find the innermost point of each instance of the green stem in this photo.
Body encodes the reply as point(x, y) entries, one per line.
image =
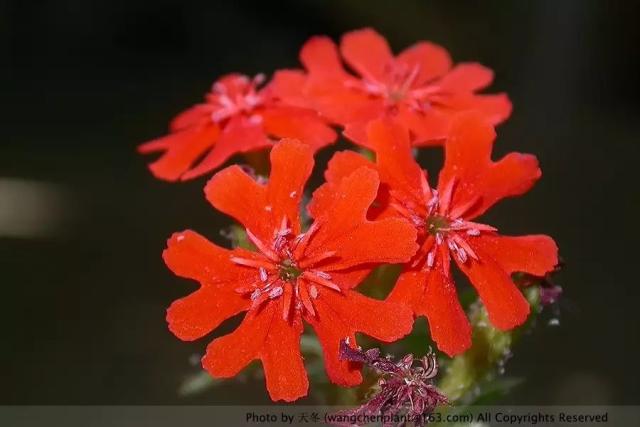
point(490, 348)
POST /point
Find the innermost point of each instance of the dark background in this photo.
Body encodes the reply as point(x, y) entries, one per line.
point(83, 82)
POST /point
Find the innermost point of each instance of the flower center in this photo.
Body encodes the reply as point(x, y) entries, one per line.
point(288, 270)
point(239, 95)
point(437, 224)
point(284, 271)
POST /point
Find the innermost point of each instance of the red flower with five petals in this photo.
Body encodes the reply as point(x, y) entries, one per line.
point(236, 117)
point(418, 87)
point(292, 276)
point(469, 184)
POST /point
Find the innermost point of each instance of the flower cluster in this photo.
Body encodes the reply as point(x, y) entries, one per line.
point(366, 214)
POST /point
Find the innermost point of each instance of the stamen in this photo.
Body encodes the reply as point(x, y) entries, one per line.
point(276, 292)
point(302, 241)
point(447, 195)
point(464, 245)
point(320, 281)
point(263, 274)
point(433, 203)
point(308, 262)
point(426, 189)
point(431, 257)
point(313, 291)
point(219, 88)
point(439, 238)
point(306, 301)
point(255, 263)
point(286, 302)
point(255, 119)
point(258, 300)
point(259, 78)
point(461, 209)
point(322, 274)
point(262, 247)
point(462, 255)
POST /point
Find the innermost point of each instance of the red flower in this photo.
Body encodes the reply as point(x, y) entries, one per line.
point(469, 184)
point(292, 277)
point(236, 117)
point(419, 86)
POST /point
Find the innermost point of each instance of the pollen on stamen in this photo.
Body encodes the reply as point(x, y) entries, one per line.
point(219, 88)
point(322, 274)
point(180, 238)
point(293, 194)
point(462, 255)
point(313, 291)
point(263, 274)
point(259, 78)
point(255, 119)
point(276, 292)
point(473, 232)
point(431, 256)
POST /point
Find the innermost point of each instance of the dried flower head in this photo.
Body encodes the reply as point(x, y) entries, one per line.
point(405, 389)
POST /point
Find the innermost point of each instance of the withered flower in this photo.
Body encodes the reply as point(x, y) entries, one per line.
point(405, 393)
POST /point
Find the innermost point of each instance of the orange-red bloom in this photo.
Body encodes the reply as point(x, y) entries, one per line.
point(469, 184)
point(418, 87)
point(292, 276)
point(236, 117)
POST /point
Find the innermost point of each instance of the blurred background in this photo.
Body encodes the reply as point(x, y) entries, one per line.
point(83, 223)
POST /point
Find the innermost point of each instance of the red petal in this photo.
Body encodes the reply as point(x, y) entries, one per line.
point(496, 108)
point(433, 295)
point(395, 161)
point(291, 165)
point(345, 105)
point(382, 320)
point(468, 159)
point(432, 60)
point(352, 277)
point(353, 196)
point(505, 304)
point(289, 86)
point(533, 254)
point(181, 149)
point(367, 52)
point(320, 57)
point(196, 315)
point(345, 229)
point(428, 128)
point(298, 123)
point(466, 77)
point(284, 371)
point(341, 165)
point(229, 354)
point(336, 319)
point(448, 322)
point(238, 136)
point(191, 256)
point(356, 132)
point(330, 330)
point(493, 108)
point(198, 115)
point(238, 195)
